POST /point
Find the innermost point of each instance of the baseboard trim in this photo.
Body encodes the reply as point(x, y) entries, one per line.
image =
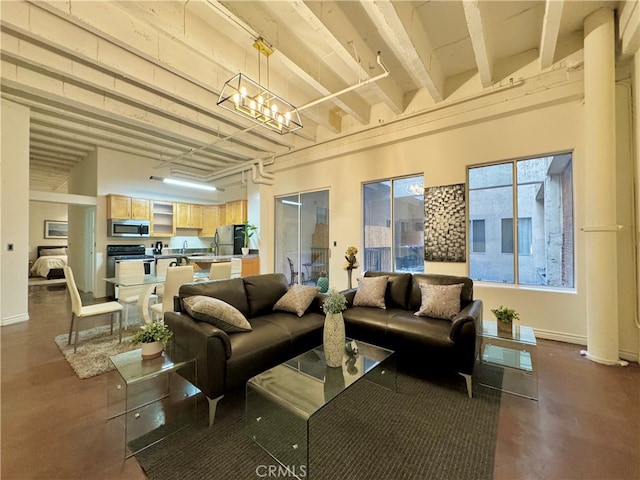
point(582, 340)
point(23, 317)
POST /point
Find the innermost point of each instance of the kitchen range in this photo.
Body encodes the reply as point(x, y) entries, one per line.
point(124, 253)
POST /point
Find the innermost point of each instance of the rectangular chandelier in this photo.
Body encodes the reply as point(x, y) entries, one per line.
point(251, 100)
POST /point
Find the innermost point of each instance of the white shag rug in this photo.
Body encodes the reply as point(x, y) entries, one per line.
point(95, 346)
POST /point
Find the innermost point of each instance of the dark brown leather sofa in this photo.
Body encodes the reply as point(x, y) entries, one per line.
point(227, 361)
point(421, 343)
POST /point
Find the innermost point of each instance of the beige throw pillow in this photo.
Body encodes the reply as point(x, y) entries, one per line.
point(218, 313)
point(371, 292)
point(297, 299)
point(440, 301)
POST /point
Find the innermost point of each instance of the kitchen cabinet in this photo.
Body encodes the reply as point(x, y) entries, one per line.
point(210, 220)
point(163, 219)
point(250, 266)
point(127, 208)
point(188, 215)
point(235, 212)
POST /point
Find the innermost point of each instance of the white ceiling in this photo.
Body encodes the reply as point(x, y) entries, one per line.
point(144, 77)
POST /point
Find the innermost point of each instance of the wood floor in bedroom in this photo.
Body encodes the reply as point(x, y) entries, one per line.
point(586, 424)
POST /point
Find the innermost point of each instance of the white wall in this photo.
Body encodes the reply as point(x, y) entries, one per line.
point(38, 213)
point(14, 140)
point(440, 146)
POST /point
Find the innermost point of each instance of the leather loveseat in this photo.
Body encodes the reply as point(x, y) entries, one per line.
point(420, 341)
point(227, 360)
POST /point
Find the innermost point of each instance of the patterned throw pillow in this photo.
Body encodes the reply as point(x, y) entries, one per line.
point(440, 301)
point(297, 299)
point(371, 291)
point(216, 312)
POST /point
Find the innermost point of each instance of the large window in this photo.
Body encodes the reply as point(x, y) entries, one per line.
point(394, 225)
point(541, 203)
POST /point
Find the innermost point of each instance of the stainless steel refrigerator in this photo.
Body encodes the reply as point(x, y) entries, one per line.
point(229, 239)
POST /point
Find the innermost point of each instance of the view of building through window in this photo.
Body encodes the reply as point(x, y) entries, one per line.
point(542, 203)
point(394, 225)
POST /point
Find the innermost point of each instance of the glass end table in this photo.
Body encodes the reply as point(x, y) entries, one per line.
point(151, 398)
point(508, 361)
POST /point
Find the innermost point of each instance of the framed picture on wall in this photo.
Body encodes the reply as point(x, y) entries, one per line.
point(55, 229)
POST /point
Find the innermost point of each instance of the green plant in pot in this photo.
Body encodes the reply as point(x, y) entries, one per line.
point(249, 231)
point(505, 317)
point(152, 337)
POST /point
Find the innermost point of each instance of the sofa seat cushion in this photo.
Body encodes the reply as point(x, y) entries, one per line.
point(367, 323)
point(305, 332)
point(405, 328)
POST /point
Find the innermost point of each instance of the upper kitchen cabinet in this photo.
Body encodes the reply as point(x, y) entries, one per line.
point(236, 212)
point(163, 219)
point(189, 215)
point(121, 207)
point(210, 220)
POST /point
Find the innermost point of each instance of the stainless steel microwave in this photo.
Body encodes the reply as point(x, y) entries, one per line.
point(128, 228)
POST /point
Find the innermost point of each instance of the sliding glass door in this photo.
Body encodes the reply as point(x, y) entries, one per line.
point(302, 236)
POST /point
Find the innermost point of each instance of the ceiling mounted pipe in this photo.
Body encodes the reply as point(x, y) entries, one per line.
point(257, 179)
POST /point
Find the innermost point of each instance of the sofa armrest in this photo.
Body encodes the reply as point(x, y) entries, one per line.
point(210, 347)
point(472, 313)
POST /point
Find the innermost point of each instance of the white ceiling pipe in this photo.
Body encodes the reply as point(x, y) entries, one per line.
point(258, 179)
point(262, 171)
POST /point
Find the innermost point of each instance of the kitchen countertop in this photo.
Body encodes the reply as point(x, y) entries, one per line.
point(217, 258)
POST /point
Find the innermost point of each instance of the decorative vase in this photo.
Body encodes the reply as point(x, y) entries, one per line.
point(334, 339)
point(349, 273)
point(245, 250)
point(152, 350)
point(323, 282)
point(505, 329)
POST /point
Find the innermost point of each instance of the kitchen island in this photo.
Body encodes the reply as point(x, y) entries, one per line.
point(250, 263)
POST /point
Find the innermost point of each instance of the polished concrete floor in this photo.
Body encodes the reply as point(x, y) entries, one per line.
point(586, 424)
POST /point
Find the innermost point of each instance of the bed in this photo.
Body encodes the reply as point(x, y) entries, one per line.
point(50, 261)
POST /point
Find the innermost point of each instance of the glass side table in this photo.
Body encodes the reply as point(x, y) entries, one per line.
point(508, 361)
point(151, 398)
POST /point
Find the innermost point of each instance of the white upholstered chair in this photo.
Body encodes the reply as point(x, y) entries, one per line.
point(78, 311)
point(176, 276)
point(236, 268)
point(220, 270)
point(131, 272)
point(161, 270)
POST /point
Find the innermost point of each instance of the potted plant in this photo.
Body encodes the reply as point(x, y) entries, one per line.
point(333, 334)
point(249, 231)
point(153, 337)
point(505, 317)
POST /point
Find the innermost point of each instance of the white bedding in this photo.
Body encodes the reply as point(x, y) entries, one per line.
point(42, 265)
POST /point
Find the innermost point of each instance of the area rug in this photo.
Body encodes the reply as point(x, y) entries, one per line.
point(95, 346)
point(426, 430)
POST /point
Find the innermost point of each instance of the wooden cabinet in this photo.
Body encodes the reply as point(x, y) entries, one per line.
point(236, 212)
point(188, 215)
point(163, 219)
point(210, 220)
point(250, 266)
point(127, 208)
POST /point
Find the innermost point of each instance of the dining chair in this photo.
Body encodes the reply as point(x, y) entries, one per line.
point(161, 270)
point(220, 270)
point(293, 273)
point(131, 272)
point(79, 311)
point(176, 276)
point(236, 268)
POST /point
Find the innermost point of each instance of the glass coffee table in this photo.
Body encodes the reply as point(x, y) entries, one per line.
point(282, 400)
point(508, 361)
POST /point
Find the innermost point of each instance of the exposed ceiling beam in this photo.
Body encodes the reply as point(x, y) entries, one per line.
point(550, 31)
point(479, 41)
point(408, 41)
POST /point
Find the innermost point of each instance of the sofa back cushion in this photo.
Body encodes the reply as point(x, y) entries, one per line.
point(397, 293)
point(263, 291)
point(231, 291)
point(466, 296)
